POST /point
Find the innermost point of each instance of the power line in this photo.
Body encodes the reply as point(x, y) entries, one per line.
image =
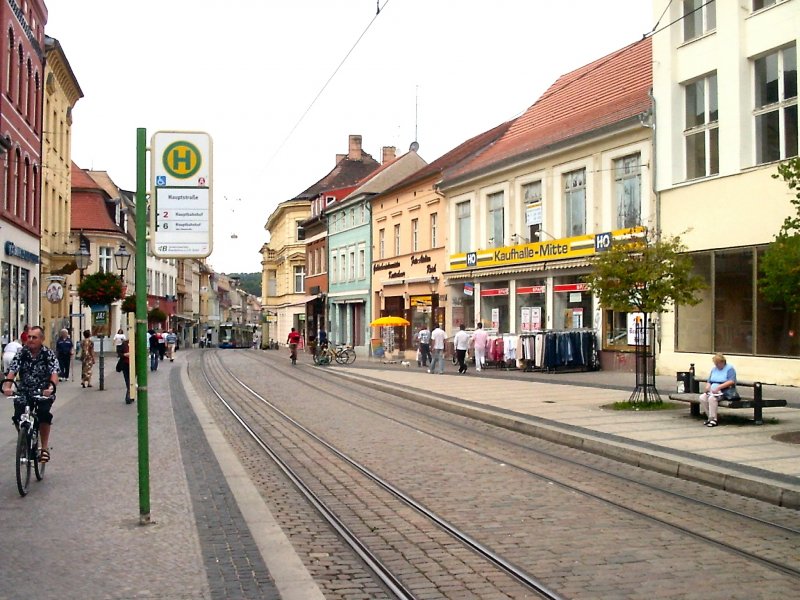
point(346, 56)
point(681, 18)
point(662, 16)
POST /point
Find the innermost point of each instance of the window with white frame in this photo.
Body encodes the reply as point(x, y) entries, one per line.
point(352, 261)
point(272, 283)
point(628, 191)
point(352, 217)
point(434, 230)
point(463, 227)
point(699, 17)
point(759, 4)
point(312, 262)
point(701, 134)
point(362, 263)
point(164, 288)
point(299, 234)
point(382, 243)
point(363, 214)
point(342, 267)
point(494, 220)
point(414, 235)
point(532, 208)
point(299, 278)
point(776, 105)
point(333, 270)
point(397, 240)
point(575, 202)
point(106, 258)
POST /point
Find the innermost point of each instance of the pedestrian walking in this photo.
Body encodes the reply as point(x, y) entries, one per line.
point(152, 344)
point(461, 344)
point(172, 342)
point(480, 341)
point(64, 353)
point(9, 352)
point(162, 345)
point(119, 337)
point(438, 338)
point(424, 339)
point(87, 359)
point(124, 367)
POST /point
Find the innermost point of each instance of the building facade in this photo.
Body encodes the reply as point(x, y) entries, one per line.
point(61, 92)
point(21, 119)
point(525, 215)
point(350, 251)
point(725, 83)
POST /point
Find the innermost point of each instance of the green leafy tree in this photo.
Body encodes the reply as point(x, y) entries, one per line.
point(249, 282)
point(646, 275)
point(780, 264)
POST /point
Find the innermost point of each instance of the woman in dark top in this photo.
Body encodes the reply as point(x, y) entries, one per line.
point(64, 352)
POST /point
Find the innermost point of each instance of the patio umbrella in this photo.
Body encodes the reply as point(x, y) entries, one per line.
point(389, 322)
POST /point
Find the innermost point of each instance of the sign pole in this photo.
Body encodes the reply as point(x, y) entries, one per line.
point(140, 346)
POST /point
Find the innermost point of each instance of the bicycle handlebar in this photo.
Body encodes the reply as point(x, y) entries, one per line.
point(38, 394)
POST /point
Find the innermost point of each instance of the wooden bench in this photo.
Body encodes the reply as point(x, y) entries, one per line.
point(757, 402)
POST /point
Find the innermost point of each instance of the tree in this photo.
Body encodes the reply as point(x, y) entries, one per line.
point(780, 264)
point(647, 274)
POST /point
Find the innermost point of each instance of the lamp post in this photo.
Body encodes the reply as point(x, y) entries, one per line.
point(433, 281)
point(82, 260)
point(122, 259)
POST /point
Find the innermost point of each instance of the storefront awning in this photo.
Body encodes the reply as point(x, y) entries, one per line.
point(305, 300)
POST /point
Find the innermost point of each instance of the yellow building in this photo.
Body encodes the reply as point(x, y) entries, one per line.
point(283, 270)
point(61, 93)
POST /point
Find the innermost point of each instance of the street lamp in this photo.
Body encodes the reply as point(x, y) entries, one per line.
point(82, 260)
point(122, 258)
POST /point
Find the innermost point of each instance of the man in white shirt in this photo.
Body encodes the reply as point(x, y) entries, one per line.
point(438, 337)
point(480, 339)
point(424, 339)
point(461, 343)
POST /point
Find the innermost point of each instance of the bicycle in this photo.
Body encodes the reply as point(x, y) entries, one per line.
point(344, 355)
point(27, 454)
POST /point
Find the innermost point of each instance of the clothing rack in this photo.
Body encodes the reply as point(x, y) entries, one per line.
point(553, 350)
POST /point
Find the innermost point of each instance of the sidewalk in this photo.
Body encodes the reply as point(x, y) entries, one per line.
point(77, 533)
point(569, 408)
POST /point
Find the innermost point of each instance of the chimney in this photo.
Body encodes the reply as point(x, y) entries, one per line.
point(389, 154)
point(340, 158)
point(354, 149)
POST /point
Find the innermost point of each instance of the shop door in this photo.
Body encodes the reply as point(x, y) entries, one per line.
point(395, 307)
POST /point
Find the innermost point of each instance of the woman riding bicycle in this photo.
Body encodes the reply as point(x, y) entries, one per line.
point(37, 367)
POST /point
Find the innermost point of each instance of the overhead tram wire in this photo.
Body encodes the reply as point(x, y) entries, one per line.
point(341, 64)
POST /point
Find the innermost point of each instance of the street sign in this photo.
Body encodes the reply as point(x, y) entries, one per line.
point(181, 175)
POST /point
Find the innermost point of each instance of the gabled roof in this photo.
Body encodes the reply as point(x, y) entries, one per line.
point(347, 172)
point(607, 92)
point(472, 147)
point(389, 174)
point(89, 210)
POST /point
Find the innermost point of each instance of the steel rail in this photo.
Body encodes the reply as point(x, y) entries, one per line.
point(517, 573)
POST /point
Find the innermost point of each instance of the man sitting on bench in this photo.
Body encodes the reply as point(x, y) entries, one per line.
point(721, 385)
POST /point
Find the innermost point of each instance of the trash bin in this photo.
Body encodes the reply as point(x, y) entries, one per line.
point(684, 382)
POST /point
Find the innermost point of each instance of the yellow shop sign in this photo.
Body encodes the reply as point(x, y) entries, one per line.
point(550, 250)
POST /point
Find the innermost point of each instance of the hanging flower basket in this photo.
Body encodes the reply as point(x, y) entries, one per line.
point(156, 315)
point(100, 288)
point(129, 304)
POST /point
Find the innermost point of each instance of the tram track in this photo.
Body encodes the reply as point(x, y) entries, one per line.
point(371, 560)
point(697, 532)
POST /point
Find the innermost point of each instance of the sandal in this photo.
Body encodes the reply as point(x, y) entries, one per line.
point(711, 423)
point(44, 455)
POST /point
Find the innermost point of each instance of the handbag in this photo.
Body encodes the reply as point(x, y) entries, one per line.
point(119, 365)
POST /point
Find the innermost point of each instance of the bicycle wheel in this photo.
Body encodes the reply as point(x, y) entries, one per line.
point(350, 356)
point(340, 356)
point(23, 461)
point(38, 467)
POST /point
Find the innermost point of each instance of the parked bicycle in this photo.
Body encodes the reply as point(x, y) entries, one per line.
point(27, 454)
point(344, 355)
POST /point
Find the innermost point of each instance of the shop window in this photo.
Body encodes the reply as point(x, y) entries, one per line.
point(733, 301)
point(693, 323)
point(531, 305)
point(615, 331)
point(495, 304)
point(572, 304)
point(776, 105)
point(462, 302)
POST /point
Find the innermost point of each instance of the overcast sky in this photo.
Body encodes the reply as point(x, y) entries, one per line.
point(245, 71)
